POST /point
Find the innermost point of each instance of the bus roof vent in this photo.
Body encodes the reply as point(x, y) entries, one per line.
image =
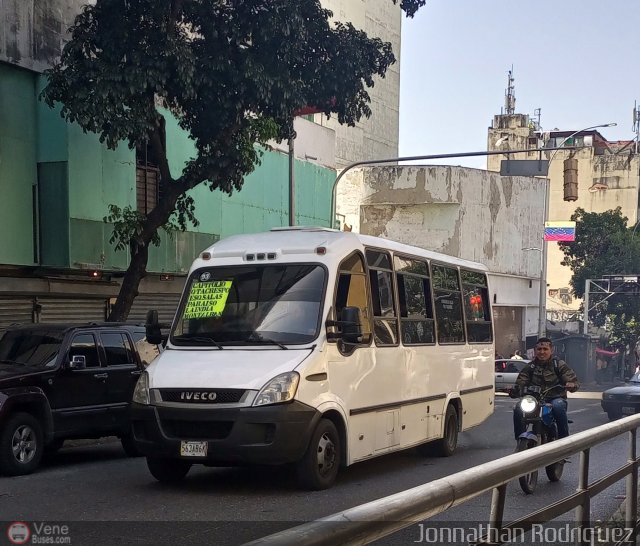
point(260, 256)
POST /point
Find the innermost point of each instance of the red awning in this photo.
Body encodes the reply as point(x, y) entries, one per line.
point(607, 353)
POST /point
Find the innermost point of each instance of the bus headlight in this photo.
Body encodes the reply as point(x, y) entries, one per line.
point(281, 388)
point(528, 404)
point(141, 392)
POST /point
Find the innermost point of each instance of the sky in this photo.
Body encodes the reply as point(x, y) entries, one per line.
point(576, 60)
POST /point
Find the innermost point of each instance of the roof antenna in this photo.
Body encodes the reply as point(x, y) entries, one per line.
point(510, 95)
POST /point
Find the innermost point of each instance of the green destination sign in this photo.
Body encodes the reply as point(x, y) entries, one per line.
point(207, 299)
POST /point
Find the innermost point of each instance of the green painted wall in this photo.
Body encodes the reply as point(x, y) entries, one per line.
point(97, 177)
point(53, 196)
point(18, 172)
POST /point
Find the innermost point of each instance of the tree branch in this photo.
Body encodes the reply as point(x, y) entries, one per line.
point(161, 153)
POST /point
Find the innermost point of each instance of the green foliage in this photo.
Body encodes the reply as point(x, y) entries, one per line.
point(233, 73)
point(624, 331)
point(604, 245)
point(128, 227)
point(601, 247)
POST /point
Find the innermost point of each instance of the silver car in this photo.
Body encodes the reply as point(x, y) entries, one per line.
point(507, 371)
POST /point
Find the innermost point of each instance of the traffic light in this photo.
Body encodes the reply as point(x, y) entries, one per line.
point(570, 179)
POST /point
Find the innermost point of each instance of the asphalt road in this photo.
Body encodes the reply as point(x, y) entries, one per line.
point(102, 495)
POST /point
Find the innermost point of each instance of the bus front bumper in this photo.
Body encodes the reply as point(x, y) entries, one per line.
point(248, 435)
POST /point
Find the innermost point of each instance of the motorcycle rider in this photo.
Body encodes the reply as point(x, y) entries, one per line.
point(546, 371)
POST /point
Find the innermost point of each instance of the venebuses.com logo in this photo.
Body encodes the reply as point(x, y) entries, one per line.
point(20, 532)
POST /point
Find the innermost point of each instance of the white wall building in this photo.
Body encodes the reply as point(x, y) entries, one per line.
point(608, 177)
point(377, 136)
point(469, 213)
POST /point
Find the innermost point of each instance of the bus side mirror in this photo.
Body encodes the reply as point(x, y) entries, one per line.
point(351, 327)
point(152, 328)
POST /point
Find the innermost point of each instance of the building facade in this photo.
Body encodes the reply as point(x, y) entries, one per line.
point(377, 136)
point(56, 261)
point(608, 177)
point(469, 213)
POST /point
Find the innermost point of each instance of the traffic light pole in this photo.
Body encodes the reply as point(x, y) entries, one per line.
point(542, 303)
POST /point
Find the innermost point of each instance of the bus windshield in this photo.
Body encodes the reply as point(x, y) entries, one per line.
point(257, 304)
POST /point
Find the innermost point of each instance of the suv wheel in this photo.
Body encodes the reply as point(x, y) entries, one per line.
point(129, 446)
point(21, 445)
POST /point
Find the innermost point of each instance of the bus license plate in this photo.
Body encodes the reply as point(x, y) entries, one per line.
point(627, 410)
point(193, 449)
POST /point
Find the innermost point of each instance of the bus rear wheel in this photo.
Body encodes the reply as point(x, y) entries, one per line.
point(446, 446)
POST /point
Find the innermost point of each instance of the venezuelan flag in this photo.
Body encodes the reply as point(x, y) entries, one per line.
point(559, 231)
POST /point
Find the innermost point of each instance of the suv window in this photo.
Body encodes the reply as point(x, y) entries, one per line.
point(85, 345)
point(117, 348)
point(36, 348)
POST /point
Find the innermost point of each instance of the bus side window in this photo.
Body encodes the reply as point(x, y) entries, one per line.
point(476, 306)
point(417, 325)
point(385, 322)
point(448, 303)
point(352, 292)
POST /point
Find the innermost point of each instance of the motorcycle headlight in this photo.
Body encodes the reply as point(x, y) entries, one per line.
point(528, 404)
point(141, 392)
point(281, 388)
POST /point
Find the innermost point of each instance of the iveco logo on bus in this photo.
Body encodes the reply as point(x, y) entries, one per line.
point(197, 395)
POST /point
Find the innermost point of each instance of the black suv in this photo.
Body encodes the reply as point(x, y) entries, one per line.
point(59, 382)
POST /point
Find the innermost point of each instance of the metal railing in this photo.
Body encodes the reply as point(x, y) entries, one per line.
point(374, 520)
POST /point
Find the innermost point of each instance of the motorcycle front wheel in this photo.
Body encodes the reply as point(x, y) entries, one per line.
point(529, 481)
point(554, 471)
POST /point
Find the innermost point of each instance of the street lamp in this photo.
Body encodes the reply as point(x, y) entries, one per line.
point(577, 132)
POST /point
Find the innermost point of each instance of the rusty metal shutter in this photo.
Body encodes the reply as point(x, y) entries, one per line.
point(147, 188)
point(15, 310)
point(73, 310)
point(165, 304)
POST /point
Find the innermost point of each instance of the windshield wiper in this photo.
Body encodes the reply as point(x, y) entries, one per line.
point(201, 339)
point(262, 339)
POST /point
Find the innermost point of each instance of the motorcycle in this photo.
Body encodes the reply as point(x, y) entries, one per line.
point(540, 429)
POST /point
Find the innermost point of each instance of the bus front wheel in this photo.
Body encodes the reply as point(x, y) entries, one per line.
point(319, 466)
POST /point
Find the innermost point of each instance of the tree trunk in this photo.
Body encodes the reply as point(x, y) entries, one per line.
point(136, 271)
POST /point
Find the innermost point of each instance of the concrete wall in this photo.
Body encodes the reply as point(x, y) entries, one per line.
point(376, 137)
point(469, 213)
point(313, 143)
point(33, 32)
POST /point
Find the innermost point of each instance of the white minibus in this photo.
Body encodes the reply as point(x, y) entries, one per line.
point(316, 347)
